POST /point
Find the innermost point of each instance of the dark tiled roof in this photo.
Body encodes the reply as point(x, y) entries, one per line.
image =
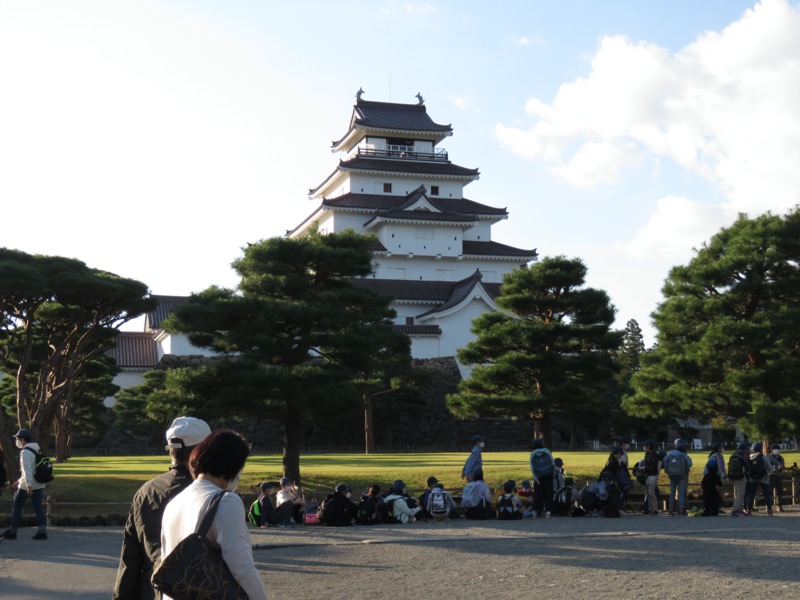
point(398, 117)
point(421, 291)
point(135, 350)
point(377, 202)
point(418, 329)
point(495, 249)
point(166, 304)
point(412, 167)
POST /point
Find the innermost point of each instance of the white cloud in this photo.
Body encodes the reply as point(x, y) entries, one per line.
point(723, 107)
point(521, 41)
point(676, 227)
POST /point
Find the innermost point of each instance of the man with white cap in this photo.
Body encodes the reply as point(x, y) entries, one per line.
point(141, 544)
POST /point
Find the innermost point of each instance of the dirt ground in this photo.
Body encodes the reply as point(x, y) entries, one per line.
point(634, 557)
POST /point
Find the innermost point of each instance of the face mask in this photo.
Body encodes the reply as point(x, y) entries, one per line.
point(234, 483)
point(480, 444)
point(19, 443)
point(348, 495)
point(776, 451)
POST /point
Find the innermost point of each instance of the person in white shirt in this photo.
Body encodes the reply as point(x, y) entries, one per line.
point(216, 463)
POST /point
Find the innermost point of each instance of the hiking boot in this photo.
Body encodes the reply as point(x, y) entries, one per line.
point(41, 535)
point(9, 535)
point(547, 514)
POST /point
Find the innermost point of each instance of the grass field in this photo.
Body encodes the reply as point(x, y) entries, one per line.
point(107, 480)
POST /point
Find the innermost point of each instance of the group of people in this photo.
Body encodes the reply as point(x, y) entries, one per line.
point(206, 464)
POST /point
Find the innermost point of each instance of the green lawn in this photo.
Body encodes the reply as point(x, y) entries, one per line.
point(115, 479)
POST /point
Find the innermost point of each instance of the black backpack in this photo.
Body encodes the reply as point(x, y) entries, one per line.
point(758, 467)
point(387, 513)
point(42, 467)
point(736, 468)
point(651, 460)
point(563, 500)
point(505, 508)
point(369, 511)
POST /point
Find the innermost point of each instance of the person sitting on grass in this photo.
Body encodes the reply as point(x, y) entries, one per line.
point(397, 499)
point(477, 498)
point(262, 511)
point(509, 506)
point(288, 496)
point(338, 510)
point(567, 500)
point(371, 508)
point(423, 499)
point(526, 497)
point(441, 505)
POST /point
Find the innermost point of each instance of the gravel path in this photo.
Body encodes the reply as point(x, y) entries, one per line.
point(635, 557)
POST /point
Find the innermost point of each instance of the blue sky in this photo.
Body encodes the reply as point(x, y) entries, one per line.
point(155, 139)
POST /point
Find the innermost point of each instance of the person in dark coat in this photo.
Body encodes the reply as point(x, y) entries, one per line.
point(141, 543)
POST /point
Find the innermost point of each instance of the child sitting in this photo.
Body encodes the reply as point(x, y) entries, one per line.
point(440, 504)
point(509, 506)
point(526, 497)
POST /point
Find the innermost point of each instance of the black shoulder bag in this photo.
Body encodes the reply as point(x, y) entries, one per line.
point(195, 570)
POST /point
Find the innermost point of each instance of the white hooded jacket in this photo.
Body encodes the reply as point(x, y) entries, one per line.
point(27, 464)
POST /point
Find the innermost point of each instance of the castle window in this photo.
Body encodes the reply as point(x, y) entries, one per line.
point(387, 188)
point(434, 190)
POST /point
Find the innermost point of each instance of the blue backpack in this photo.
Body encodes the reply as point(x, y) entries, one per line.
point(542, 464)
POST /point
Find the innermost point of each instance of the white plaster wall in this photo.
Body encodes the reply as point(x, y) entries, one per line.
point(456, 327)
point(176, 343)
point(425, 347)
point(482, 231)
point(426, 268)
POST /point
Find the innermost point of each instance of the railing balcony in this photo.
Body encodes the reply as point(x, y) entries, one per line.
point(405, 152)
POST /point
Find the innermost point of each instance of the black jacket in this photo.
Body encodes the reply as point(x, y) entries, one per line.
point(141, 544)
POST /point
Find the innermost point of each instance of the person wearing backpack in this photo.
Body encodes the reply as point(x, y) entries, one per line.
point(650, 468)
point(543, 469)
point(337, 509)
point(398, 500)
point(423, 499)
point(262, 511)
point(371, 508)
point(776, 468)
point(738, 467)
point(509, 507)
point(757, 478)
point(441, 505)
point(677, 465)
point(27, 486)
point(566, 500)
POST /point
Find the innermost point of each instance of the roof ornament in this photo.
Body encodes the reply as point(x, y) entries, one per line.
point(358, 94)
point(420, 99)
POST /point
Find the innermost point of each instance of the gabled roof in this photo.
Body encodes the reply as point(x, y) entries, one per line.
point(378, 202)
point(423, 292)
point(166, 305)
point(478, 248)
point(460, 292)
point(393, 117)
point(135, 350)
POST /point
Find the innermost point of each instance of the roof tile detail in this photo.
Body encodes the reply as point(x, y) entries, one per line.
point(135, 350)
point(478, 248)
point(373, 202)
point(393, 116)
point(166, 304)
point(359, 163)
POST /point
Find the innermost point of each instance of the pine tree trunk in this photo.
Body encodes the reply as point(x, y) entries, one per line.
point(573, 435)
point(292, 436)
point(369, 436)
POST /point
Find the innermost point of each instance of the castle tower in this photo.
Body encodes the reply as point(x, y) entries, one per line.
point(434, 254)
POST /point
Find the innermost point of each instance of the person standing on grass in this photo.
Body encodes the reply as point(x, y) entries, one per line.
point(716, 453)
point(776, 468)
point(758, 477)
point(677, 465)
point(27, 486)
point(475, 459)
point(141, 541)
point(738, 468)
point(543, 469)
point(651, 464)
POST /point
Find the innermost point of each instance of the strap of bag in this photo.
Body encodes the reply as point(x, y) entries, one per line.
point(211, 511)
